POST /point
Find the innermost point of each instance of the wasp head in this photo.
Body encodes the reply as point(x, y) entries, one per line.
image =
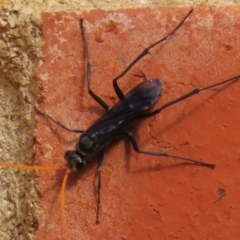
point(75, 160)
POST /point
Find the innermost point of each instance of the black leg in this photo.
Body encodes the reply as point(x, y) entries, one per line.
point(143, 54)
point(163, 154)
point(89, 69)
point(193, 92)
point(58, 123)
point(100, 166)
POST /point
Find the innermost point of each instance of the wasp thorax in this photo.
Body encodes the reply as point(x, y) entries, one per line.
point(85, 144)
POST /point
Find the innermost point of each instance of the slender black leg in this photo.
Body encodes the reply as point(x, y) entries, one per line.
point(163, 154)
point(143, 54)
point(58, 123)
point(100, 166)
point(89, 69)
point(193, 92)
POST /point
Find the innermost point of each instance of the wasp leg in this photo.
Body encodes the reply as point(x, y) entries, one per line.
point(99, 183)
point(143, 54)
point(59, 123)
point(89, 69)
point(134, 144)
point(189, 94)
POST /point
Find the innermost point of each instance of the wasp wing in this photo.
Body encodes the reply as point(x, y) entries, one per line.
point(139, 100)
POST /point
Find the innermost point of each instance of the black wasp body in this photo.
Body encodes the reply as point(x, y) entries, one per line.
point(115, 122)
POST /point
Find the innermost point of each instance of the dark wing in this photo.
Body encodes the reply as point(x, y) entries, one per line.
point(139, 100)
point(143, 96)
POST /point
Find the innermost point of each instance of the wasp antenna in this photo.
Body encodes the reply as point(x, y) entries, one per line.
point(26, 167)
point(62, 203)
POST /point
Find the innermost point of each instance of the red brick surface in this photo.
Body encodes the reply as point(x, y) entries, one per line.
point(144, 197)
